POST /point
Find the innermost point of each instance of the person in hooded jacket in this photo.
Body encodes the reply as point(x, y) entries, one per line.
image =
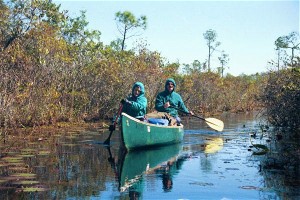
point(136, 104)
point(170, 101)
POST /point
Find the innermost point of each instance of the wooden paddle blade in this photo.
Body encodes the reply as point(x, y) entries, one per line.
point(215, 124)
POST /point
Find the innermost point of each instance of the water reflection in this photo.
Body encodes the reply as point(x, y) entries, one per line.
point(135, 164)
point(213, 145)
point(76, 165)
point(63, 167)
point(281, 166)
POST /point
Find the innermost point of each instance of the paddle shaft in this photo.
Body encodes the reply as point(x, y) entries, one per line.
point(195, 116)
point(107, 141)
point(187, 113)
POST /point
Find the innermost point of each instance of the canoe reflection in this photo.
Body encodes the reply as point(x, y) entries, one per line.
point(133, 165)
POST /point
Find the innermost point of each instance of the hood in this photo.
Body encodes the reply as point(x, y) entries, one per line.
point(170, 80)
point(141, 85)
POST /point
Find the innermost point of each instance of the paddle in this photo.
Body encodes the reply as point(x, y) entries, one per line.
point(113, 127)
point(213, 123)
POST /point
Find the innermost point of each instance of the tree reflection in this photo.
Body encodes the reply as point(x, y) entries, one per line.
point(281, 166)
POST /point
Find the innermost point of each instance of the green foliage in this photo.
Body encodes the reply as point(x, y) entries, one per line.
point(281, 95)
point(19, 17)
point(223, 60)
point(211, 40)
point(283, 43)
point(289, 41)
point(127, 23)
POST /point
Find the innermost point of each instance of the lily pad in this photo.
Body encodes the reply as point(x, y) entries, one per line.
point(12, 159)
point(201, 184)
point(11, 153)
point(25, 182)
point(18, 168)
point(261, 149)
point(28, 152)
point(69, 145)
point(24, 175)
point(44, 153)
point(250, 187)
point(2, 181)
point(33, 189)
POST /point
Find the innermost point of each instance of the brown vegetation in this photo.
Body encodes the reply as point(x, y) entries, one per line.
point(54, 69)
point(281, 98)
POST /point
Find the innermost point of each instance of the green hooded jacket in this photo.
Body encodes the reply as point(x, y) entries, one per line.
point(137, 106)
point(174, 99)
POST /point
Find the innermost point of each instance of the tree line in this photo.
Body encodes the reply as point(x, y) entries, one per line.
point(53, 69)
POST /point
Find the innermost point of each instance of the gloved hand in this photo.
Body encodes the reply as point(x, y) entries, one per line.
point(123, 101)
point(112, 128)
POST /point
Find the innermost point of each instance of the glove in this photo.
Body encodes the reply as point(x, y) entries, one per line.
point(112, 128)
point(123, 101)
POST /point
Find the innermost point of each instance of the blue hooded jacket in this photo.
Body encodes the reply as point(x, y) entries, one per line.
point(137, 105)
point(174, 99)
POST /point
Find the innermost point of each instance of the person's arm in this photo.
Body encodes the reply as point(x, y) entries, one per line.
point(181, 105)
point(159, 103)
point(140, 105)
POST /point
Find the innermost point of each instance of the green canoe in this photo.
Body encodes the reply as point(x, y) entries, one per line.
point(138, 134)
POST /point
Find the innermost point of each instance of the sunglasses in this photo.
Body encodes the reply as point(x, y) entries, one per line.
point(170, 83)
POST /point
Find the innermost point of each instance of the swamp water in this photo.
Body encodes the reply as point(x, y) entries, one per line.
point(74, 164)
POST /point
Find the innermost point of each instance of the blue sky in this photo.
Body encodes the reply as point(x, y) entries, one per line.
point(247, 30)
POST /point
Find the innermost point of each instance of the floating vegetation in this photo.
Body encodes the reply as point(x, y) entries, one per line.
point(28, 155)
point(87, 141)
point(13, 159)
point(44, 153)
point(201, 184)
point(32, 189)
point(24, 175)
point(28, 150)
point(71, 136)
point(260, 149)
point(18, 168)
point(2, 181)
point(69, 144)
point(249, 187)
point(232, 168)
point(25, 182)
point(11, 153)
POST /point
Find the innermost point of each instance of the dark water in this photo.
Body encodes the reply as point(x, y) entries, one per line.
point(75, 164)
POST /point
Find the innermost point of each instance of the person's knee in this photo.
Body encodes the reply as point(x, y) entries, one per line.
point(178, 121)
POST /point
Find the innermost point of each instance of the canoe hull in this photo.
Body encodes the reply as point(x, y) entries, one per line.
point(138, 134)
